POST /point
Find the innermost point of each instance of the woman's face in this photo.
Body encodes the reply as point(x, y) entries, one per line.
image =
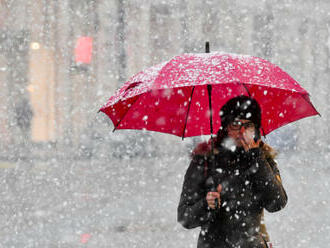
point(237, 128)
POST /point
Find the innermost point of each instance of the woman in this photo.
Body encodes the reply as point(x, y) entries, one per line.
point(245, 177)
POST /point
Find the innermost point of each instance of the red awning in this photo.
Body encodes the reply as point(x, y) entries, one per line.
point(83, 50)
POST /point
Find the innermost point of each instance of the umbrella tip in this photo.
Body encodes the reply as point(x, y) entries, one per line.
point(207, 46)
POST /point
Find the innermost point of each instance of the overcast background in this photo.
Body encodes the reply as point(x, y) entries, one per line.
point(67, 181)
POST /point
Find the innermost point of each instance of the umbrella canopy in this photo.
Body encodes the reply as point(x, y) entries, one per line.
point(173, 97)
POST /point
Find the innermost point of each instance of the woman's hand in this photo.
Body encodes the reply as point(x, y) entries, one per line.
point(211, 196)
point(247, 140)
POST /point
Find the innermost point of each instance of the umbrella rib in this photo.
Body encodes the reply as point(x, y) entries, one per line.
point(246, 89)
point(185, 123)
point(304, 97)
point(125, 114)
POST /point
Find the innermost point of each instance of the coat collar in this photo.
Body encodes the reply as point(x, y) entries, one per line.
point(205, 149)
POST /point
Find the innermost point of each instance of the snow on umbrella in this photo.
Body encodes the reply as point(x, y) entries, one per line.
point(173, 97)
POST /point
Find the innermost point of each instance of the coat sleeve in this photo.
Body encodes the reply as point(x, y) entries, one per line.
point(268, 182)
point(193, 209)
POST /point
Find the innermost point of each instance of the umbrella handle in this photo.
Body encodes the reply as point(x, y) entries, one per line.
point(216, 203)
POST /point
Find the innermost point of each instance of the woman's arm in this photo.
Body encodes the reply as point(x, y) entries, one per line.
point(268, 182)
point(193, 209)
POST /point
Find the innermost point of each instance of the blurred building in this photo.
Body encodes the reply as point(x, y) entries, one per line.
point(61, 60)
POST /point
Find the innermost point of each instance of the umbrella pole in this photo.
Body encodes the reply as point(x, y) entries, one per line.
point(207, 47)
point(213, 185)
point(209, 90)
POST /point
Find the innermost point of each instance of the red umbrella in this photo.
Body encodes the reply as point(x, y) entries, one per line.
point(175, 96)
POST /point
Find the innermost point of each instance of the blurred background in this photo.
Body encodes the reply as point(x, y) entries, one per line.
point(67, 181)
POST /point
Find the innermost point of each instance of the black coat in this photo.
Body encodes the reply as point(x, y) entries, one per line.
point(250, 183)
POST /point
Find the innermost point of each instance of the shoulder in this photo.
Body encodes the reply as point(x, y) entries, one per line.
point(268, 152)
point(199, 159)
point(204, 149)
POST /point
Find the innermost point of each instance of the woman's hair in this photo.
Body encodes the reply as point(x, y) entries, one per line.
point(221, 134)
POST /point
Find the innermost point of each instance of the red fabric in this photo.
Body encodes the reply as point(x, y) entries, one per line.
point(157, 98)
point(83, 50)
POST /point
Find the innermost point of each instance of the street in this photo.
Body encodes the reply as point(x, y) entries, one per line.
point(133, 202)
